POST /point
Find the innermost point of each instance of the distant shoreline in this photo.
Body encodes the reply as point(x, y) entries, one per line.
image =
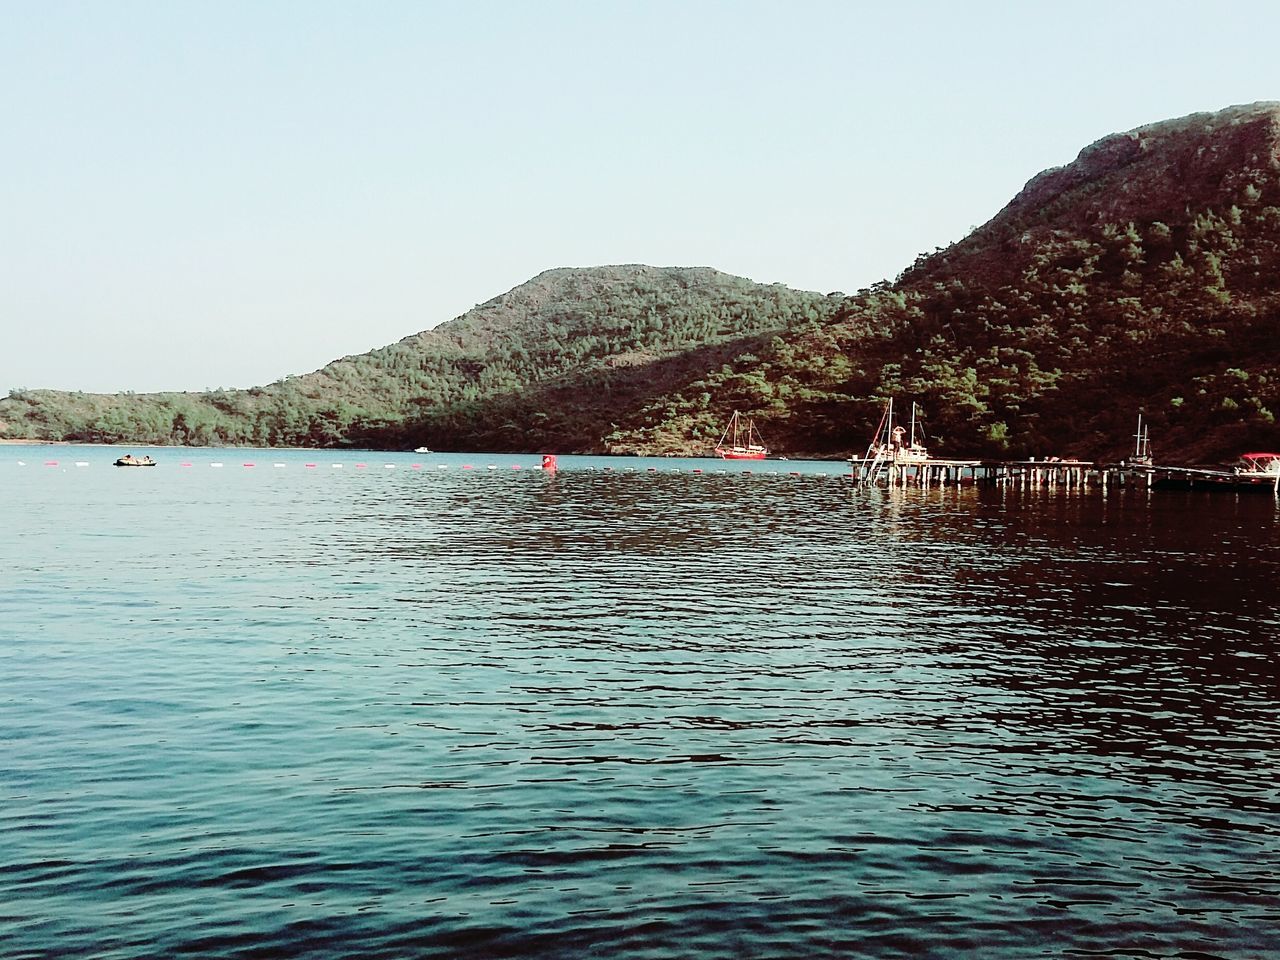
point(6, 441)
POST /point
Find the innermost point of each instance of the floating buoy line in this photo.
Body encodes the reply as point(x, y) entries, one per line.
point(547, 465)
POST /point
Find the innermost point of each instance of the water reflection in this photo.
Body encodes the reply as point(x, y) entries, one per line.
point(653, 714)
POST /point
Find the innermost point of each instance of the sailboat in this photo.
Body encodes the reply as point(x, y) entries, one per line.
point(890, 446)
point(892, 442)
point(741, 440)
point(1141, 445)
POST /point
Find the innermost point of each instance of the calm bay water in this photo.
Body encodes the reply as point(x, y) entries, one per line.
point(627, 710)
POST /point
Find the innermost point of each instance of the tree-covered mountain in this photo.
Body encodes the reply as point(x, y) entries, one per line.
point(1143, 277)
point(1140, 277)
point(547, 365)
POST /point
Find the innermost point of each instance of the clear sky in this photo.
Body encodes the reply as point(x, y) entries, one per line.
point(223, 193)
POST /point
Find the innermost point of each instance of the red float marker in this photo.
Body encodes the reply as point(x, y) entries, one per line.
point(309, 466)
point(51, 463)
point(248, 464)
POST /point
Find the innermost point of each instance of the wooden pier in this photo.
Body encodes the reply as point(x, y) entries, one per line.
point(1075, 475)
point(1050, 474)
point(896, 459)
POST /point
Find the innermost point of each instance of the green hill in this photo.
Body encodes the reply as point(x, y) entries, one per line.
point(1140, 277)
point(547, 365)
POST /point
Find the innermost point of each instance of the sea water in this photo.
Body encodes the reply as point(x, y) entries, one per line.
point(401, 705)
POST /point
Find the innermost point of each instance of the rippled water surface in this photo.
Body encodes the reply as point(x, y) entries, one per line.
point(627, 710)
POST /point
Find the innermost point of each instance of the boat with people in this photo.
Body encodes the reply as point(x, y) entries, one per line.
point(1253, 465)
point(741, 440)
point(129, 460)
point(1253, 473)
point(894, 450)
point(1257, 471)
point(893, 443)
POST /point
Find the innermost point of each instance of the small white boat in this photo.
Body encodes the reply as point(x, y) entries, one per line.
point(1255, 472)
point(1259, 465)
point(421, 449)
point(1141, 446)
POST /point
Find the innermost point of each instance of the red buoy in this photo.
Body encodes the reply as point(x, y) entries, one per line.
point(548, 461)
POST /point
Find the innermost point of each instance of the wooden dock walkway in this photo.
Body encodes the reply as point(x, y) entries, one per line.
point(1077, 475)
point(1067, 474)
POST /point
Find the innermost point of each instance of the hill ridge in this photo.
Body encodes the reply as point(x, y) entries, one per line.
point(1117, 152)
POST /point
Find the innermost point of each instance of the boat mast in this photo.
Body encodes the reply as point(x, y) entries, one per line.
point(727, 431)
point(1140, 441)
point(873, 447)
point(913, 425)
